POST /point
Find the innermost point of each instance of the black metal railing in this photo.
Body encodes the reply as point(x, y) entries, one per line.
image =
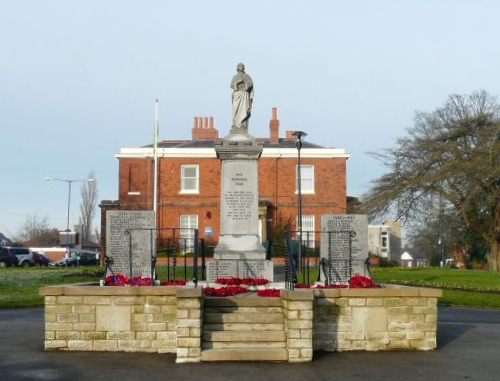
point(335, 262)
point(171, 243)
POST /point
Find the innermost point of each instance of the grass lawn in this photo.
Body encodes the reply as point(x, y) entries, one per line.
point(470, 288)
point(19, 286)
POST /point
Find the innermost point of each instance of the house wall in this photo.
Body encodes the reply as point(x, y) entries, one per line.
point(277, 186)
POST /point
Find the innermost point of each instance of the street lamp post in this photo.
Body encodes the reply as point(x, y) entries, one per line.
point(69, 182)
point(298, 143)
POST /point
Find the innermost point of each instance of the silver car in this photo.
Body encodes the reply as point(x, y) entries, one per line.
point(25, 257)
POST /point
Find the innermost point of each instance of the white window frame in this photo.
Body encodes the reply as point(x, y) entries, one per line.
point(184, 189)
point(186, 235)
point(308, 225)
point(304, 189)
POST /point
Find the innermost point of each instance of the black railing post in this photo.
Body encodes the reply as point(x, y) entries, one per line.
point(328, 276)
point(153, 256)
point(307, 258)
point(351, 234)
point(174, 257)
point(203, 270)
point(195, 258)
point(185, 253)
point(130, 252)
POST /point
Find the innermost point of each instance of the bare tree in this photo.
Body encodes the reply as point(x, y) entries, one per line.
point(88, 206)
point(36, 231)
point(452, 153)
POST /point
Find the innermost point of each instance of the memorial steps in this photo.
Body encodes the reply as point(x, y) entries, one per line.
point(243, 328)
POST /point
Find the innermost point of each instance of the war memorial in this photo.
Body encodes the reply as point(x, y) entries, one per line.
point(287, 324)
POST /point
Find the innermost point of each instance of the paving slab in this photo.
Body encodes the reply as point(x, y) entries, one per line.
point(468, 347)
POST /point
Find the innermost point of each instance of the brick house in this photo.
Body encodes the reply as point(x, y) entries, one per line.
point(189, 181)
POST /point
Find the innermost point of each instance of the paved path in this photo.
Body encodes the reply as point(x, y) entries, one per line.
point(468, 340)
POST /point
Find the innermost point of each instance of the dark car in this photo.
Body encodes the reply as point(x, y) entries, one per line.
point(41, 259)
point(7, 259)
point(79, 258)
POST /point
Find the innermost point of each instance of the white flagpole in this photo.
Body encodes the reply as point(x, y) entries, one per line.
point(155, 155)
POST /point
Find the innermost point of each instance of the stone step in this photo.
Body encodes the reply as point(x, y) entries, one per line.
point(265, 318)
point(244, 345)
point(243, 310)
point(242, 327)
point(240, 354)
point(244, 336)
point(253, 301)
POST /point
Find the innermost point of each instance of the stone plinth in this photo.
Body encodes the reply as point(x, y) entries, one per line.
point(181, 320)
point(239, 252)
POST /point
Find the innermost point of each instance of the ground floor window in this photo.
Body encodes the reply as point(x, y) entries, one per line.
point(307, 230)
point(188, 222)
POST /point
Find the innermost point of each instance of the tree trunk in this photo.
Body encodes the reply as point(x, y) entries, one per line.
point(494, 256)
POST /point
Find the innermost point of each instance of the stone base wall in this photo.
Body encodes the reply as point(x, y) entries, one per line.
point(170, 319)
point(375, 319)
point(118, 319)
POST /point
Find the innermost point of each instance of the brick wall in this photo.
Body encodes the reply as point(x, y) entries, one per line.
point(276, 186)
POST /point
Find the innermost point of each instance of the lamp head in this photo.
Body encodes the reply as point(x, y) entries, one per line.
point(299, 134)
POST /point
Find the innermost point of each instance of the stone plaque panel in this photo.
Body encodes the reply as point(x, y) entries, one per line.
point(239, 268)
point(344, 236)
point(240, 197)
point(141, 242)
point(112, 318)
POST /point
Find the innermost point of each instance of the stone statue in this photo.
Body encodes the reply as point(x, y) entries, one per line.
point(242, 86)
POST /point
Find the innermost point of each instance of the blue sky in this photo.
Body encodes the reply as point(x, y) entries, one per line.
point(78, 79)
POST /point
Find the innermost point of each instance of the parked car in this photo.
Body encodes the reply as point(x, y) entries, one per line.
point(24, 256)
point(6, 258)
point(41, 259)
point(78, 258)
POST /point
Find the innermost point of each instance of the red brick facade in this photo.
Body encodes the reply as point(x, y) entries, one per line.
point(277, 182)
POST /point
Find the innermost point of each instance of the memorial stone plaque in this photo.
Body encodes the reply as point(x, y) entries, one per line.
point(344, 244)
point(127, 245)
point(239, 204)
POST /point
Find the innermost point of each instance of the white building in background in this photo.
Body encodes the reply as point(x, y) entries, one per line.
point(385, 240)
point(407, 260)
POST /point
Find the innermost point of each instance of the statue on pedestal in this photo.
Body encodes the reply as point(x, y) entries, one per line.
point(242, 86)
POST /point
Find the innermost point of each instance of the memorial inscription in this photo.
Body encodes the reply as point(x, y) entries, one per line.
point(238, 205)
point(130, 249)
point(344, 243)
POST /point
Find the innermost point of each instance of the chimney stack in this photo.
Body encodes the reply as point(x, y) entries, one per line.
point(203, 129)
point(274, 127)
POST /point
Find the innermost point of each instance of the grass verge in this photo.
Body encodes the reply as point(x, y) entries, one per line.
point(466, 288)
point(19, 286)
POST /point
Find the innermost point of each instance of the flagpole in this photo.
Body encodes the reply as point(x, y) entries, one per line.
point(155, 156)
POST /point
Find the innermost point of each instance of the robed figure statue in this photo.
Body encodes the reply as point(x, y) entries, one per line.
point(242, 86)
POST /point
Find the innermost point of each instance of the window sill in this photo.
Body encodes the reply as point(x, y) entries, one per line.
point(134, 193)
point(189, 192)
point(305, 192)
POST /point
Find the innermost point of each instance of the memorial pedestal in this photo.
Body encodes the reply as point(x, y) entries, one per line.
point(239, 252)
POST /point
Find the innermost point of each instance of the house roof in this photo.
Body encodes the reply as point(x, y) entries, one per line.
point(406, 256)
point(283, 143)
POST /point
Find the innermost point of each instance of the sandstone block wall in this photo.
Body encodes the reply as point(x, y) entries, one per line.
point(189, 324)
point(170, 319)
point(375, 319)
point(298, 312)
point(126, 319)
